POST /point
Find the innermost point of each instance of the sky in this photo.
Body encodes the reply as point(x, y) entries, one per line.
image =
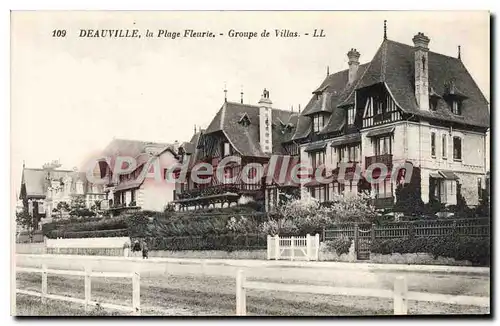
point(70, 96)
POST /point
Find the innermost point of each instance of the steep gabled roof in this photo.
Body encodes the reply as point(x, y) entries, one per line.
point(245, 138)
point(132, 147)
point(334, 91)
point(36, 181)
point(393, 65)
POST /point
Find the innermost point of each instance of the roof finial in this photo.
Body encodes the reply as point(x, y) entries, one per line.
point(195, 128)
point(292, 108)
point(241, 94)
point(459, 54)
point(385, 29)
point(225, 92)
point(327, 71)
point(23, 164)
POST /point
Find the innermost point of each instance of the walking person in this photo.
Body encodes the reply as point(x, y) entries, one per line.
point(145, 251)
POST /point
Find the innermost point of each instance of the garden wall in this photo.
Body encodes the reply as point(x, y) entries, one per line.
point(211, 254)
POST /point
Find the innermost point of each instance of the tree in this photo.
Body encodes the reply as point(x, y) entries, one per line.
point(352, 207)
point(61, 207)
point(78, 207)
point(24, 219)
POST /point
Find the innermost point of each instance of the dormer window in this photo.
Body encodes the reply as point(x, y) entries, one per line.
point(244, 120)
point(227, 149)
point(456, 107)
point(351, 115)
point(318, 122)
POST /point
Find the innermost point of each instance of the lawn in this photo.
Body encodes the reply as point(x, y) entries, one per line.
point(199, 295)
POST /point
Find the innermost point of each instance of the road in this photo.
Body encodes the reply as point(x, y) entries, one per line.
point(434, 279)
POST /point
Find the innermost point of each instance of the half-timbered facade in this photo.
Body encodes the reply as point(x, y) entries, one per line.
point(253, 133)
point(407, 104)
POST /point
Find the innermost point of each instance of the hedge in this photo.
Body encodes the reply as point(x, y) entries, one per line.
point(226, 242)
point(476, 250)
point(99, 225)
point(89, 234)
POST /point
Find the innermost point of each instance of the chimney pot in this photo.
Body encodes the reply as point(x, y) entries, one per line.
point(353, 56)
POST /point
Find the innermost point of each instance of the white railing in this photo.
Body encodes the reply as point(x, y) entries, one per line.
point(88, 274)
point(400, 294)
point(293, 248)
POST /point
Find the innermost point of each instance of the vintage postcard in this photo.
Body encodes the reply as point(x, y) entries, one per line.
point(250, 163)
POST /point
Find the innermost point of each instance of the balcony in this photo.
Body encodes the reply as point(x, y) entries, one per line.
point(384, 159)
point(221, 189)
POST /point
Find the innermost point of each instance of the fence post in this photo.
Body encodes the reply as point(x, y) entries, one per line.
point(88, 286)
point(400, 296)
point(356, 238)
point(308, 246)
point(277, 247)
point(268, 247)
point(316, 245)
point(241, 305)
point(292, 248)
point(136, 293)
point(44, 283)
point(373, 232)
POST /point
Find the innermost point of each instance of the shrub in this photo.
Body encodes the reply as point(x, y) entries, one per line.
point(339, 245)
point(476, 250)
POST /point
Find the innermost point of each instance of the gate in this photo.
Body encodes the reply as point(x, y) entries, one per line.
point(362, 241)
point(362, 234)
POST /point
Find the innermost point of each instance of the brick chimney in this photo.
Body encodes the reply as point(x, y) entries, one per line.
point(421, 43)
point(265, 123)
point(353, 56)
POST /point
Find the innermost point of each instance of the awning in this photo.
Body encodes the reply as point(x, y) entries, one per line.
point(448, 175)
point(127, 186)
point(435, 175)
point(380, 132)
point(347, 139)
point(316, 147)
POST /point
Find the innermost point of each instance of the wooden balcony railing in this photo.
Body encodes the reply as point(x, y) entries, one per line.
point(384, 159)
point(238, 188)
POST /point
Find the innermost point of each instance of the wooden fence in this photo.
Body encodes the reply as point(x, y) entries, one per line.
point(364, 234)
point(478, 227)
point(400, 294)
point(88, 274)
point(293, 248)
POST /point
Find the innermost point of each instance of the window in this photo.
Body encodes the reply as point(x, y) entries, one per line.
point(433, 102)
point(320, 193)
point(318, 122)
point(457, 148)
point(444, 147)
point(383, 189)
point(227, 149)
point(351, 115)
point(317, 158)
point(383, 145)
point(456, 107)
point(479, 189)
point(433, 144)
point(348, 154)
point(132, 195)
